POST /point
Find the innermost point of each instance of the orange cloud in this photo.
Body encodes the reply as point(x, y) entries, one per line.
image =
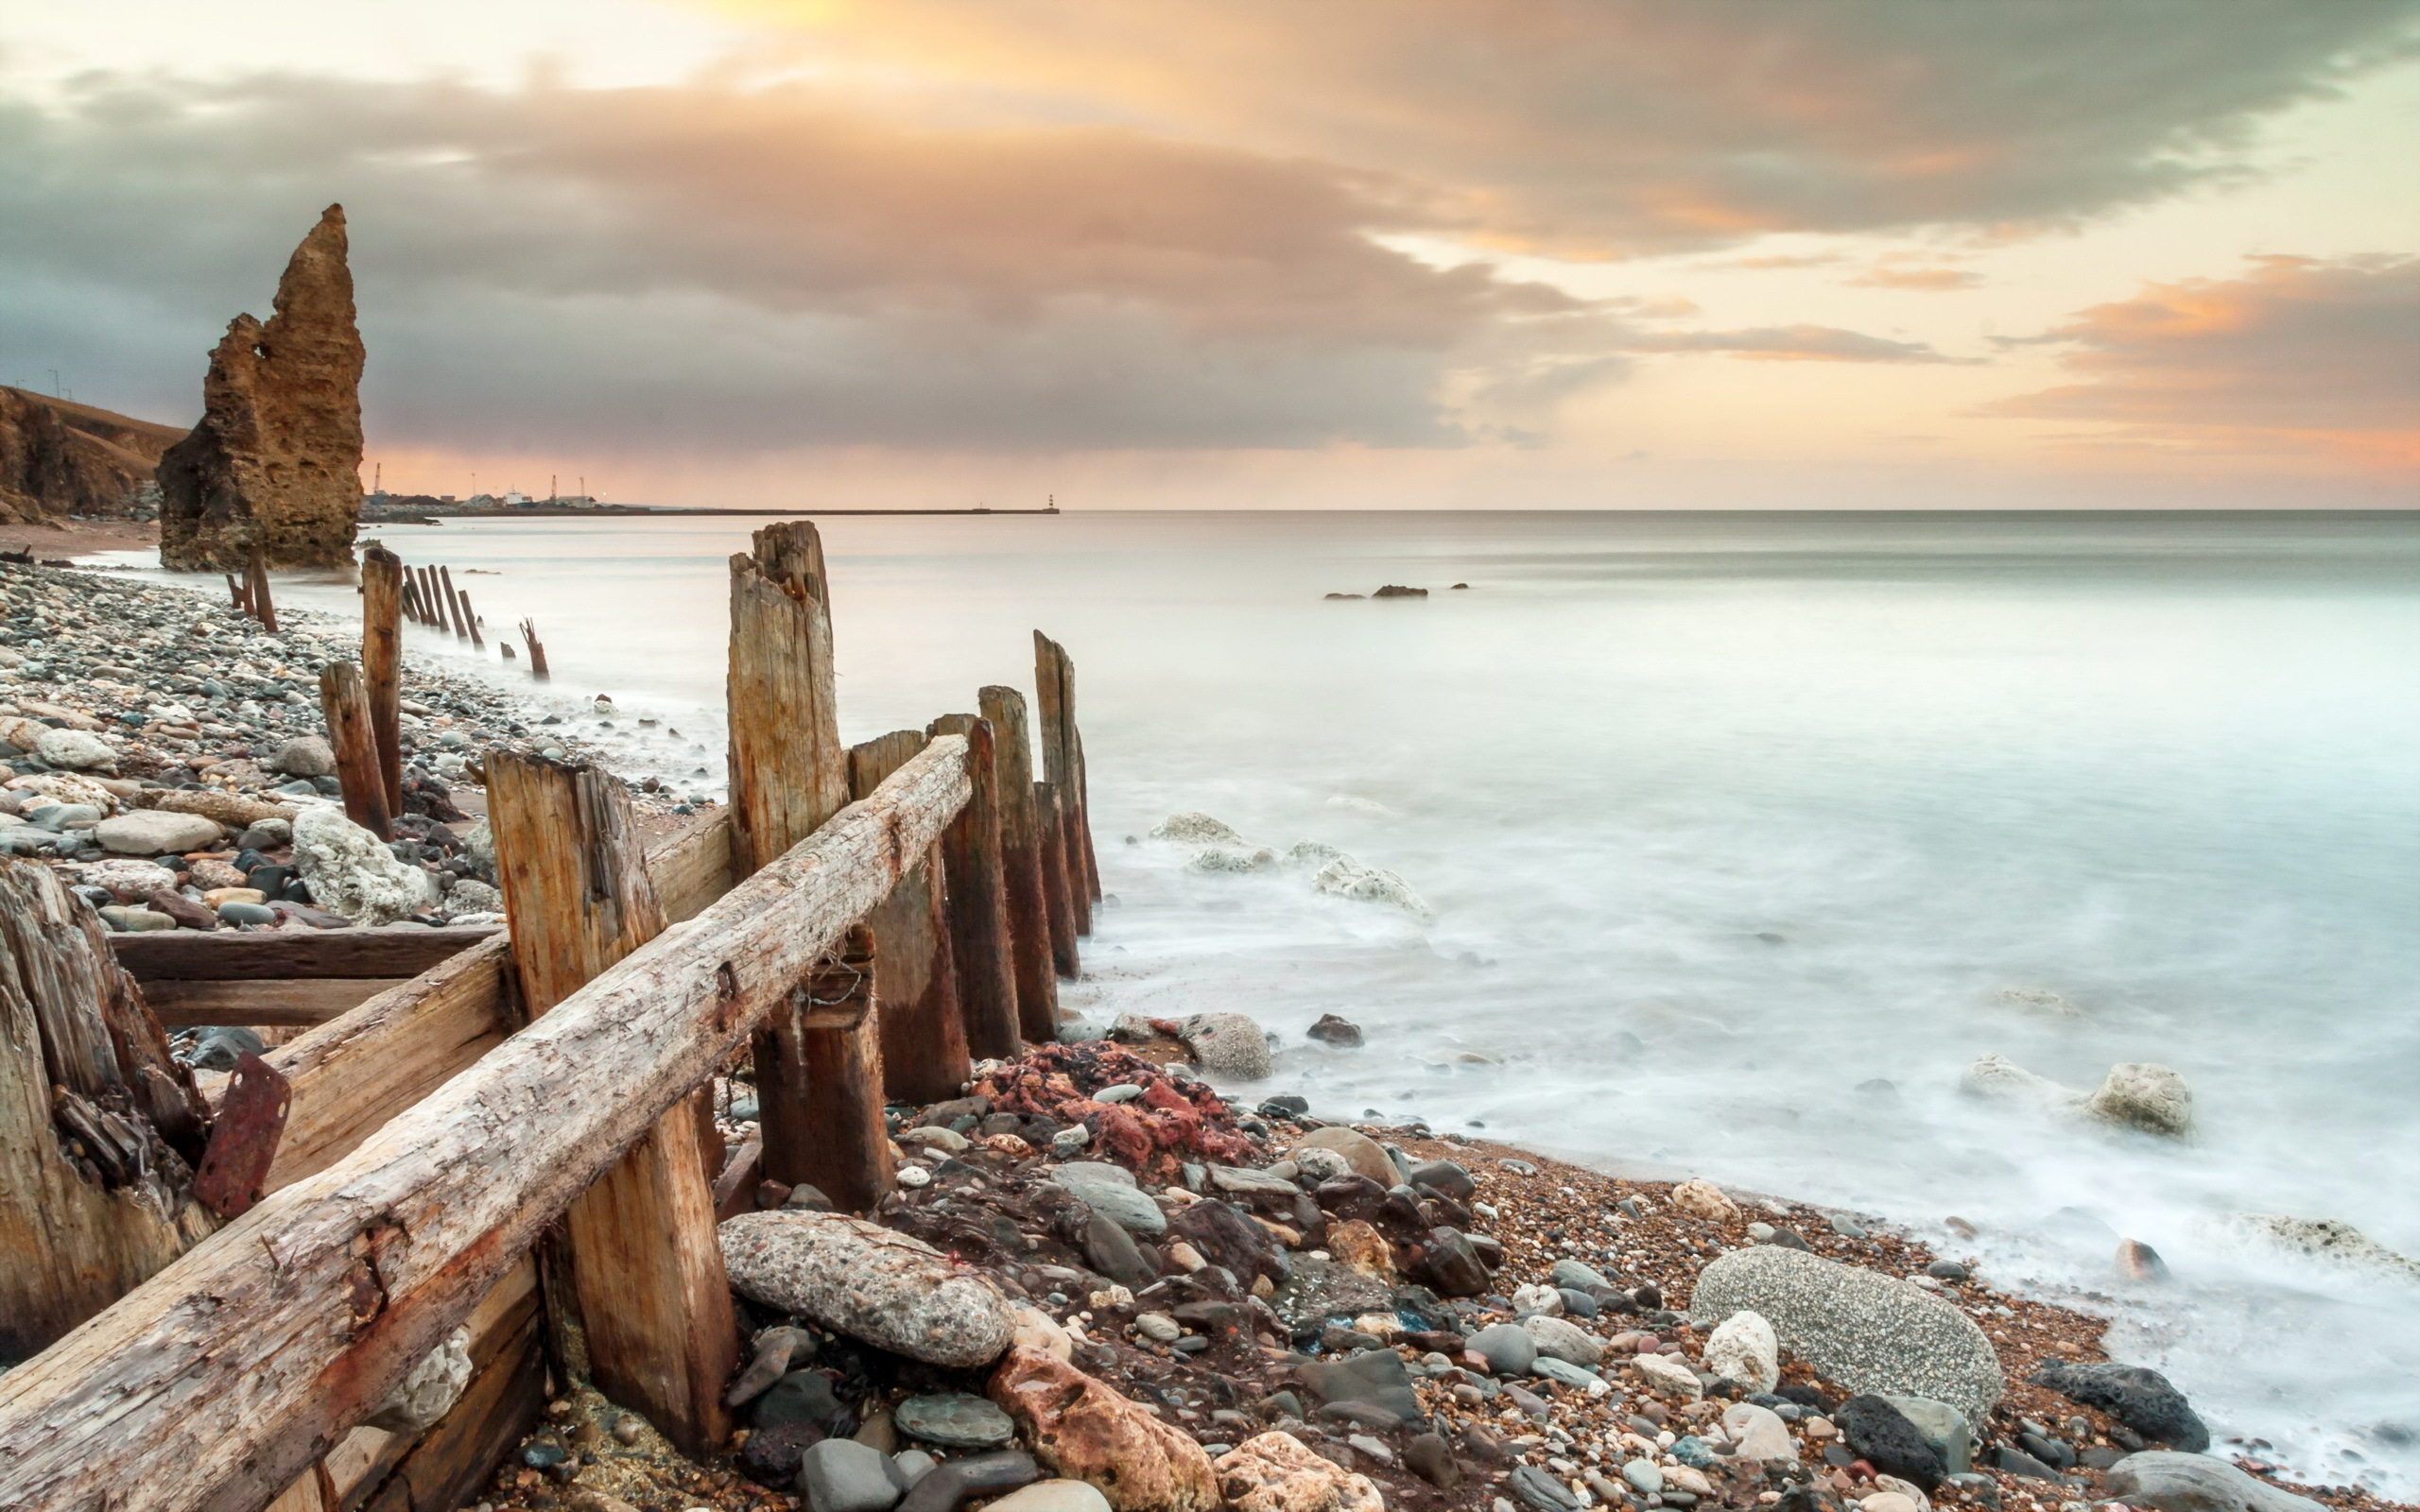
point(2297, 354)
point(1921, 280)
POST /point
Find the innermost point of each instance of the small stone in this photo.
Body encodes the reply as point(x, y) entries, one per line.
point(1561, 1339)
point(1705, 1200)
point(1508, 1349)
point(1227, 1044)
point(886, 1288)
point(2138, 1262)
point(78, 750)
point(1052, 1495)
point(1846, 1226)
point(240, 913)
point(1277, 1472)
point(1742, 1348)
point(1430, 1457)
point(1881, 1435)
point(1541, 1491)
point(304, 756)
point(1159, 1327)
point(1085, 1429)
point(2143, 1399)
point(1331, 1030)
point(843, 1475)
point(1362, 1153)
point(155, 831)
point(1644, 1477)
point(1668, 1377)
point(945, 1486)
point(1757, 1433)
point(954, 1420)
point(800, 1396)
point(1946, 1270)
point(2174, 1482)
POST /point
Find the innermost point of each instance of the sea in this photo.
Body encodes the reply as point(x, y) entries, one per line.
point(1736, 839)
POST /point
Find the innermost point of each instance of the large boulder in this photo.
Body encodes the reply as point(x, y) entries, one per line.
point(1366, 1157)
point(1275, 1472)
point(154, 833)
point(1087, 1432)
point(890, 1290)
point(2144, 1095)
point(275, 462)
point(2174, 1482)
point(2142, 1399)
point(350, 871)
point(1868, 1331)
point(1226, 1044)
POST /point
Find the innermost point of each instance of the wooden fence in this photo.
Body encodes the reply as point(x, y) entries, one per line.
point(506, 1132)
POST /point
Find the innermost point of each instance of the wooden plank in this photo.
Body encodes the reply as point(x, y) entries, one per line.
point(231, 955)
point(654, 1304)
point(298, 1001)
point(344, 703)
point(691, 868)
point(818, 1090)
point(1020, 866)
point(915, 979)
point(160, 1403)
point(382, 660)
point(977, 904)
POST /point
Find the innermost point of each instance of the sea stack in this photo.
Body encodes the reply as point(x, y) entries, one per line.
point(276, 460)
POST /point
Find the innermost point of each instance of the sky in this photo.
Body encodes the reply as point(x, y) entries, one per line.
point(1257, 253)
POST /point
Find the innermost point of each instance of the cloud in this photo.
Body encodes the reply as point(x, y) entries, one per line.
point(1611, 128)
point(2298, 353)
point(1921, 280)
point(1791, 343)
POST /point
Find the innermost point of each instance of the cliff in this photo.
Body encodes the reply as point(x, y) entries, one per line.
point(57, 457)
point(276, 460)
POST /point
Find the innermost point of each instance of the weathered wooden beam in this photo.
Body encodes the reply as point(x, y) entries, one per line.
point(654, 1304)
point(977, 900)
point(1054, 682)
point(1020, 866)
point(227, 955)
point(344, 703)
point(453, 604)
point(382, 660)
point(915, 979)
point(214, 1383)
point(818, 1090)
point(1050, 824)
point(261, 1005)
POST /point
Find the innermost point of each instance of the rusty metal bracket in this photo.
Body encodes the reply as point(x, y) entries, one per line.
point(244, 1137)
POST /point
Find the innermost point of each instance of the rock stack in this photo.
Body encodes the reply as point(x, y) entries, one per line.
point(275, 462)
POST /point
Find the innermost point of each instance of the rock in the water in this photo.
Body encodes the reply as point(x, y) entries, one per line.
point(1559, 1338)
point(1881, 1435)
point(2144, 1095)
point(2323, 1239)
point(1743, 1348)
point(353, 873)
point(1331, 1030)
point(304, 756)
point(276, 461)
point(1085, 1431)
point(2142, 1399)
point(1360, 1152)
point(2140, 1261)
point(1705, 1200)
point(2175, 1482)
point(1347, 878)
point(843, 1475)
point(873, 1283)
point(1276, 1473)
point(153, 832)
point(1226, 1044)
point(1944, 1427)
point(2000, 1079)
point(1195, 828)
point(954, 1420)
point(429, 1390)
point(1870, 1333)
point(1052, 1495)
point(78, 751)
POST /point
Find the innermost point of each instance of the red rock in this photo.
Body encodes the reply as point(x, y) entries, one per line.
point(1083, 1429)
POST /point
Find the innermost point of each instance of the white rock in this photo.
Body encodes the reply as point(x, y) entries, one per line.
point(66, 787)
point(1669, 1377)
point(1194, 828)
point(1226, 1044)
point(469, 896)
point(127, 880)
point(1320, 1164)
point(1309, 855)
point(1559, 1338)
point(350, 871)
point(1371, 885)
point(1037, 1330)
point(1757, 1433)
point(155, 833)
point(1234, 858)
point(2000, 1079)
point(2144, 1095)
point(78, 751)
point(1052, 1495)
point(2322, 1239)
point(1535, 1298)
point(889, 1289)
point(2035, 1000)
point(1743, 1348)
point(1706, 1200)
point(430, 1389)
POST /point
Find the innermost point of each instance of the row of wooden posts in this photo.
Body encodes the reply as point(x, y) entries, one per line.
point(431, 597)
point(863, 922)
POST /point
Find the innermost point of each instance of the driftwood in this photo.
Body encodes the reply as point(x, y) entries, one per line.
point(216, 1383)
point(1029, 950)
point(98, 1125)
point(915, 978)
point(654, 1307)
point(978, 902)
point(274, 1004)
point(228, 957)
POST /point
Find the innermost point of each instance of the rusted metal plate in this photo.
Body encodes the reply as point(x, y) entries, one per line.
point(244, 1137)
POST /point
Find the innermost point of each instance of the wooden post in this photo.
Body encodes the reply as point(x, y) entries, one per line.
point(537, 652)
point(915, 980)
point(96, 1121)
point(471, 618)
point(382, 661)
point(411, 595)
point(654, 1304)
point(236, 592)
point(1085, 808)
point(978, 899)
point(1054, 686)
point(1051, 826)
point(431, 613)
point(818, 1090)
point(256, 584)
point(344, 702)
point(1029, 950)
point(445, 593)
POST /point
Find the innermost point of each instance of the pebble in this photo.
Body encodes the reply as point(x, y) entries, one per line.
point(954, 1420)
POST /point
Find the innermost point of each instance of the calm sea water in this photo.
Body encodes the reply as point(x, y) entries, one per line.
point(1725, 819)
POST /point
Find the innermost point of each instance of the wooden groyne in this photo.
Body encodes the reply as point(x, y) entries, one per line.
point(499, 1142)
